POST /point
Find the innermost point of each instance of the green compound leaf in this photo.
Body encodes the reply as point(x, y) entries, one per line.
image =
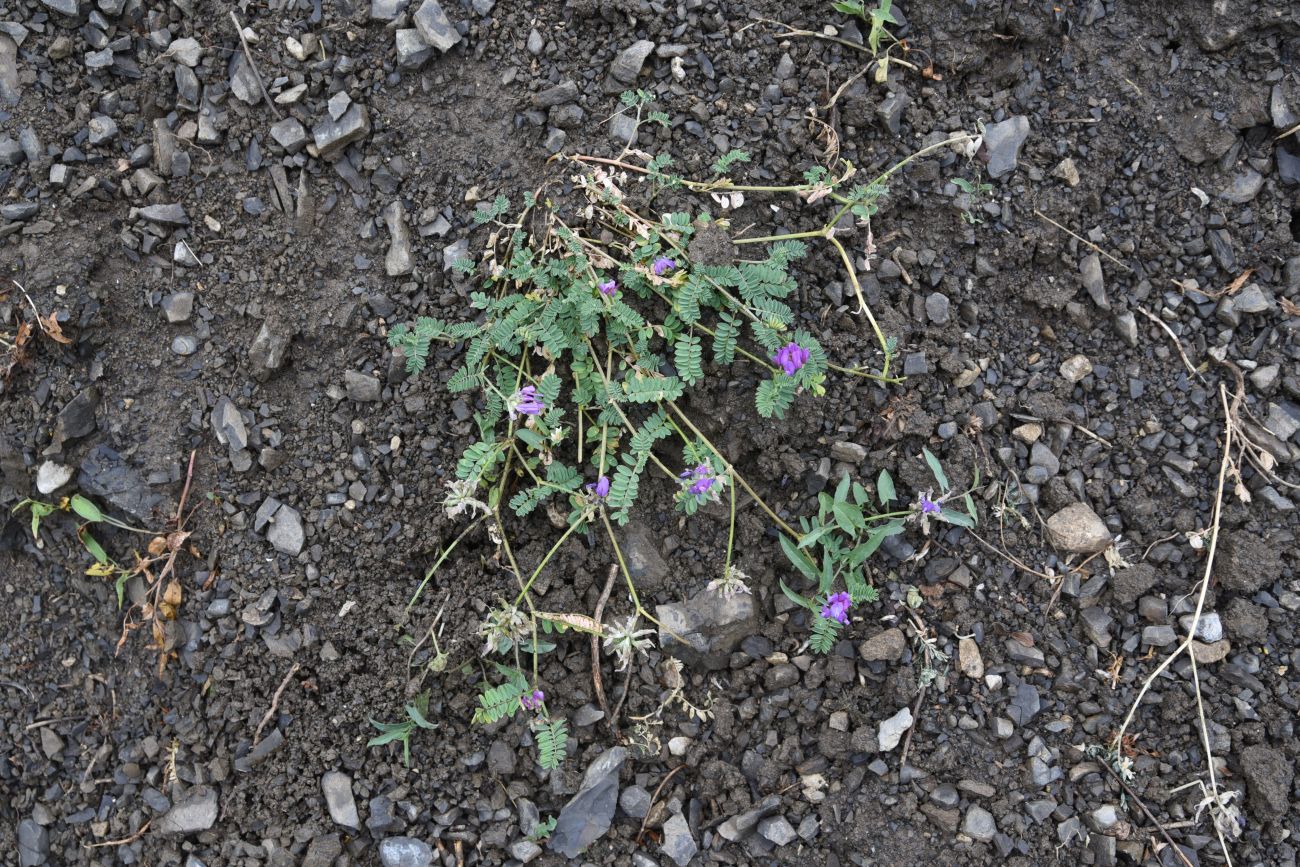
point(724, 339)
point(552, 738)
point(688, 358)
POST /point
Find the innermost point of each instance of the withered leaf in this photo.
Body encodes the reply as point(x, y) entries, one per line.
point(1024, 638)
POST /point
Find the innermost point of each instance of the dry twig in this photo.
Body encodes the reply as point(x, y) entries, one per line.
point(1083, 240)
point(275, 703)
point(597, 684)
point(248, 55)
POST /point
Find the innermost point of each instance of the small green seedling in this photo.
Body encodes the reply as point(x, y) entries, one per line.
point(416, 717)
point(542, 829)
point(976, 191)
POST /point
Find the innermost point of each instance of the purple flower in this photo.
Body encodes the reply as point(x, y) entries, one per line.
point(608, 288)
point(929, 506)
point(600, 487)
point(837, 607)
point(791, 357)
point(662, 266)
point(526, 401)
point(702, 479)
point(534, 701)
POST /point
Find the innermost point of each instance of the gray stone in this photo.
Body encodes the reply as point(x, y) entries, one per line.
point(1077, 529)
point(892, 730)
point(1244, 187)
point(1093, 280)
point(268, 351)
point(106, 475)
point(1023, 654)
point(453, 253)
point(178, 307)
point(398, 260)
point(679, 844)
point(979, 824)
point(405, 852)
point(243, 80)
point(645, 563)
point(186, 51)
point(322, 851)
point(101, 59)
point(183, 254)
point(1159, 636)
point(335, 785)
point(361, 387)
point(622, 129)
point(196, 811)
point(332, 136)
point(434, 26)
point(64, 7)
point(1002, 142)
point(937, 307)
point(736, 828)
point(1025, 705)
point(635, 802)
point(1041, 456)
point(77, 418)
point(886, 646)
point(165, 215)
point(1269, 775)
point(289, 134)
point(850, 453)
point(525, 851)
point(711, 624)
point(33, 844)
point(588, 814)
point(777, 830)
point(627, 65)
point(1252, 299)
point(412, 50)
point(386, 10)
point(103, 129)
point(1076, 368)
point(564, 92)
point(287, 536)
point(11, 89)
point(19, 212)
point(228, 425)
point(1209, 629)
point(1126, 327)
point(1096, 624)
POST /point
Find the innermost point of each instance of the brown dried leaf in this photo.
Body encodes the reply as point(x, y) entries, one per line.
point(580, 622)
point(157, 545)
point(50, 326)
point(1239, 281)
point(1024, 638)
point(172, 593)
point(1289, 307)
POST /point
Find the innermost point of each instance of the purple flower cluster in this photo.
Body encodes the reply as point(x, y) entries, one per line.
point(662, 266)
point(534, 701)
point(791, 357)
point(701, 479)
point(600, 487)
point(837, 607)
point(608, 288)
point(929, 506)
point(527, 402)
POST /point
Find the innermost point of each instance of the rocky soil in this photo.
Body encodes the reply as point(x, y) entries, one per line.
point(222, 226)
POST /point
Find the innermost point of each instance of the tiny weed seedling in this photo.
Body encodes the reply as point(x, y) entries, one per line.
point(976, 192)
point(417, 713)
point(542, 830)
point(588, 334)
point(162, 593)
point(847, 534)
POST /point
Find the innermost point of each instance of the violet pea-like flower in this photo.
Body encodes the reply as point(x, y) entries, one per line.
point(929, 506)
point(791, 357)
point(608, 288)
point(600, 487)
point(534, 701)
point(527, 402)
point(702, 479)
point(662, 266)
point(837, 607)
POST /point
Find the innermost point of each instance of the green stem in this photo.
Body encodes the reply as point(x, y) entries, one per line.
point(441, 558)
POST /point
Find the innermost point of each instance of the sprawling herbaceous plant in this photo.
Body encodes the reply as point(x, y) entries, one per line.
point(590, 331)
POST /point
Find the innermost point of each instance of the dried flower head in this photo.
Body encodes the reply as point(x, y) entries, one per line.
point(732, 583)
point(625, 641)
point(503, 627)
point(460, 499)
